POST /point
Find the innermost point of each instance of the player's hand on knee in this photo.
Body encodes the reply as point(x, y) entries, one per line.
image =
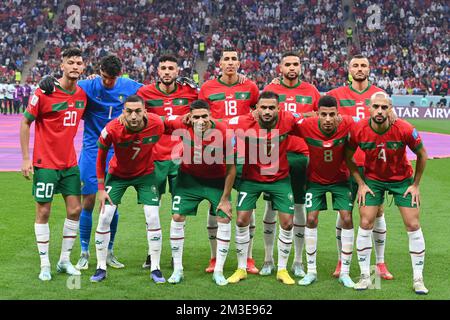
point(48, 84)
point(225, 206)
point(415, 194)
point(102, 197)
point(27, 168)
point(362, 192)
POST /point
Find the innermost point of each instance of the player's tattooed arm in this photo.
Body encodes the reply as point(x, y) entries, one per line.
point(363, 188)
point(413, 189)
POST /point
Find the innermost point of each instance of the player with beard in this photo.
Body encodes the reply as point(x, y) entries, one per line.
point(228, 96)
point(167, 97)
point(353, 100)
point(387, 169)
point(302, 98)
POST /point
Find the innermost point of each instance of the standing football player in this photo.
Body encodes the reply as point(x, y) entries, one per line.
point(54, 163)
point(353, 100)
point(228, 97)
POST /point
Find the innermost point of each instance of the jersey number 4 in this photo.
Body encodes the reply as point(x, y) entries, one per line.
point(382, 155)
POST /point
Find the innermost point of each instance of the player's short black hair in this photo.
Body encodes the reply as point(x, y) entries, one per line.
point(168, 57)
point(134, 98)
point(268, 95)
point(229, 49)
point(111, 64)
point(199, 104)
point(327, 102)
point(289, 54)
point(72, 52)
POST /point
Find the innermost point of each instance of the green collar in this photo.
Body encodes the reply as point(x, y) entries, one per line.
point(66, 91)
point(289, 87)
point(169, 93)
point(228, 85)
point(359, 92)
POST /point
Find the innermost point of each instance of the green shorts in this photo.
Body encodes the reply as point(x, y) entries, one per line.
point(237, 180)
point(166, 170)
point(280, 193)
point(316, 199)
point(297, 170)
point(145, 186)
point(397, 189)
point(47, 182)
point(189, 191)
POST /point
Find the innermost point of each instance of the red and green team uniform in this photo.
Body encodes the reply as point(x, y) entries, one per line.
point(326, 151)
point(56, 117)
point(167, 104)
point(132, 150)
point(227, 101)
point(132, 163)
point(301, 98)
point(356, 104)
point(198, 179)
point(386, 164)
point(273, 177)
point(192, 161)
point(327, 171)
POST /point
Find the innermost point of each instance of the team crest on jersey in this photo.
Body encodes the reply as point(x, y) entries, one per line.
point(34, 100)
point(104, 133)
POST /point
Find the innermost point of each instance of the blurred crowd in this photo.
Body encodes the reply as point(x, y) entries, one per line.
point(407, 45)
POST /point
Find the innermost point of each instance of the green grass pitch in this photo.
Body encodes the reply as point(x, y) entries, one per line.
point(19, 266)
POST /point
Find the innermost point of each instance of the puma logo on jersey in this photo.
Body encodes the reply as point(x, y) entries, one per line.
point(381, 145)
point(230, 96)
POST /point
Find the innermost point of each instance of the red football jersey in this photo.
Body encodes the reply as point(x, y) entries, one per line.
point(265, 150)
point(326, 152)
point(356, 104)
point(166, 104)
point(132, 150)
point(57, 118)
point(386, 158)
point(227, 101)
point(203, 157)
point(301, 98)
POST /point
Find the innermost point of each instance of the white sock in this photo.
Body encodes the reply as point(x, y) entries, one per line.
point(176, 243)
point(252, 234)
point(379, 238)
point(212, 232)
point(284, 247)
point(223, 244)
point(70, 231)
point(311, 248)
point(299, 232)
point(154, 235)
point(339, 235)
point(269, 222)
point(417, 252)
point(364, 247)
point(103, 235)
point(242, 239)
point(42, 232)
point(347, 250)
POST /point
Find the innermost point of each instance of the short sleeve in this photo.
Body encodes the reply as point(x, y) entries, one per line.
point(33, 107)
point(105, 140)
point(413, 139)
point(172, 123)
